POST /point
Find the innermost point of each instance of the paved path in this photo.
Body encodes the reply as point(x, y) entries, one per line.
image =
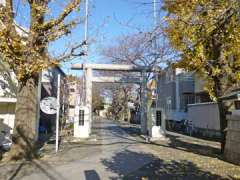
point(111, 153)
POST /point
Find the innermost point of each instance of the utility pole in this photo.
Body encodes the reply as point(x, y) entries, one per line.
point(155, 21)
point(86, 50)
point(155, 12)
point(58, 111)
point(86, 22)
point(155, 46)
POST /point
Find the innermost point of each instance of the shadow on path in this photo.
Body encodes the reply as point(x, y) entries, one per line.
point(179, 142)
point(91, 175)
point(134, 165)
point(36, 166)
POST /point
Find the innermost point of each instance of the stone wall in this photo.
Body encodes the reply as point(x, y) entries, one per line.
point(204, 118)
point(232, 148)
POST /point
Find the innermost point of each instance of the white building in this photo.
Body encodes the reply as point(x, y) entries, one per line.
point(175, 92)
point(8, 89)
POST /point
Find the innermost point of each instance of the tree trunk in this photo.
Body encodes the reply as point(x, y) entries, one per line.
point(25, 132)
point(222, 111)
point(223, 124)
point(218, 56)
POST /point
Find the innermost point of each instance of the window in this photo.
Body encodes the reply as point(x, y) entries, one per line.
point(187, 99)
point(81, 117)
point(3, 85)
point(71, 107)
point(186, 77)
point(169, 76)
point(71, 118)
point(158, 118)
point(237, 105)
point(72, 90)
point(169, 103)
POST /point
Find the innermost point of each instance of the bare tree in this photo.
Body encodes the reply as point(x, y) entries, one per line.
point(149, 49)
point(121, 95)
point(97, 98)
point(143, 48)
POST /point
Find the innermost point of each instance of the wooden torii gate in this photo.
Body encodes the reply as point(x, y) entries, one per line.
point(84, 130)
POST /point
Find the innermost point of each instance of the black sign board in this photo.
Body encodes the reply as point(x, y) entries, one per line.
point(81, 117)
point(158, 118)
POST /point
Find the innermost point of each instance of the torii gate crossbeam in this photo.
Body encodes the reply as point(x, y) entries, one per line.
point(110, 79)
point(112, 67)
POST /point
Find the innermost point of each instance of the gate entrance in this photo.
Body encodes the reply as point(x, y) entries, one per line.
point(83, 130)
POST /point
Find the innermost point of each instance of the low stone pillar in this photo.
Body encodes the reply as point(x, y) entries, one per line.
point(82, 122)
point(157, 129)
point(232, 147)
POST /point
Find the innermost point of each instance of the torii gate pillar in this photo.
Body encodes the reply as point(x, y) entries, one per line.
point(89, 97)
point(144, 103)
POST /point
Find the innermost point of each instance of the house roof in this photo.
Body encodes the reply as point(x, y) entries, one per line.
point(235, 95)
point(60, 70)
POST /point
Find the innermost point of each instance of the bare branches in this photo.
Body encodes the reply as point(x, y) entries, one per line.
point(148, 49)
point(74, 51)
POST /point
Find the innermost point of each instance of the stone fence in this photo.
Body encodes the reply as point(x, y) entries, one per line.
point(204, 118)
point(232, 148)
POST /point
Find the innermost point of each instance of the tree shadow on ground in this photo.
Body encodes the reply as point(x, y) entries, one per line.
point(181, 142)
point(27, 161)
point(26, 168)
point(133, 131)
point(91, 175)
point(136, 165)
point(193, 146)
